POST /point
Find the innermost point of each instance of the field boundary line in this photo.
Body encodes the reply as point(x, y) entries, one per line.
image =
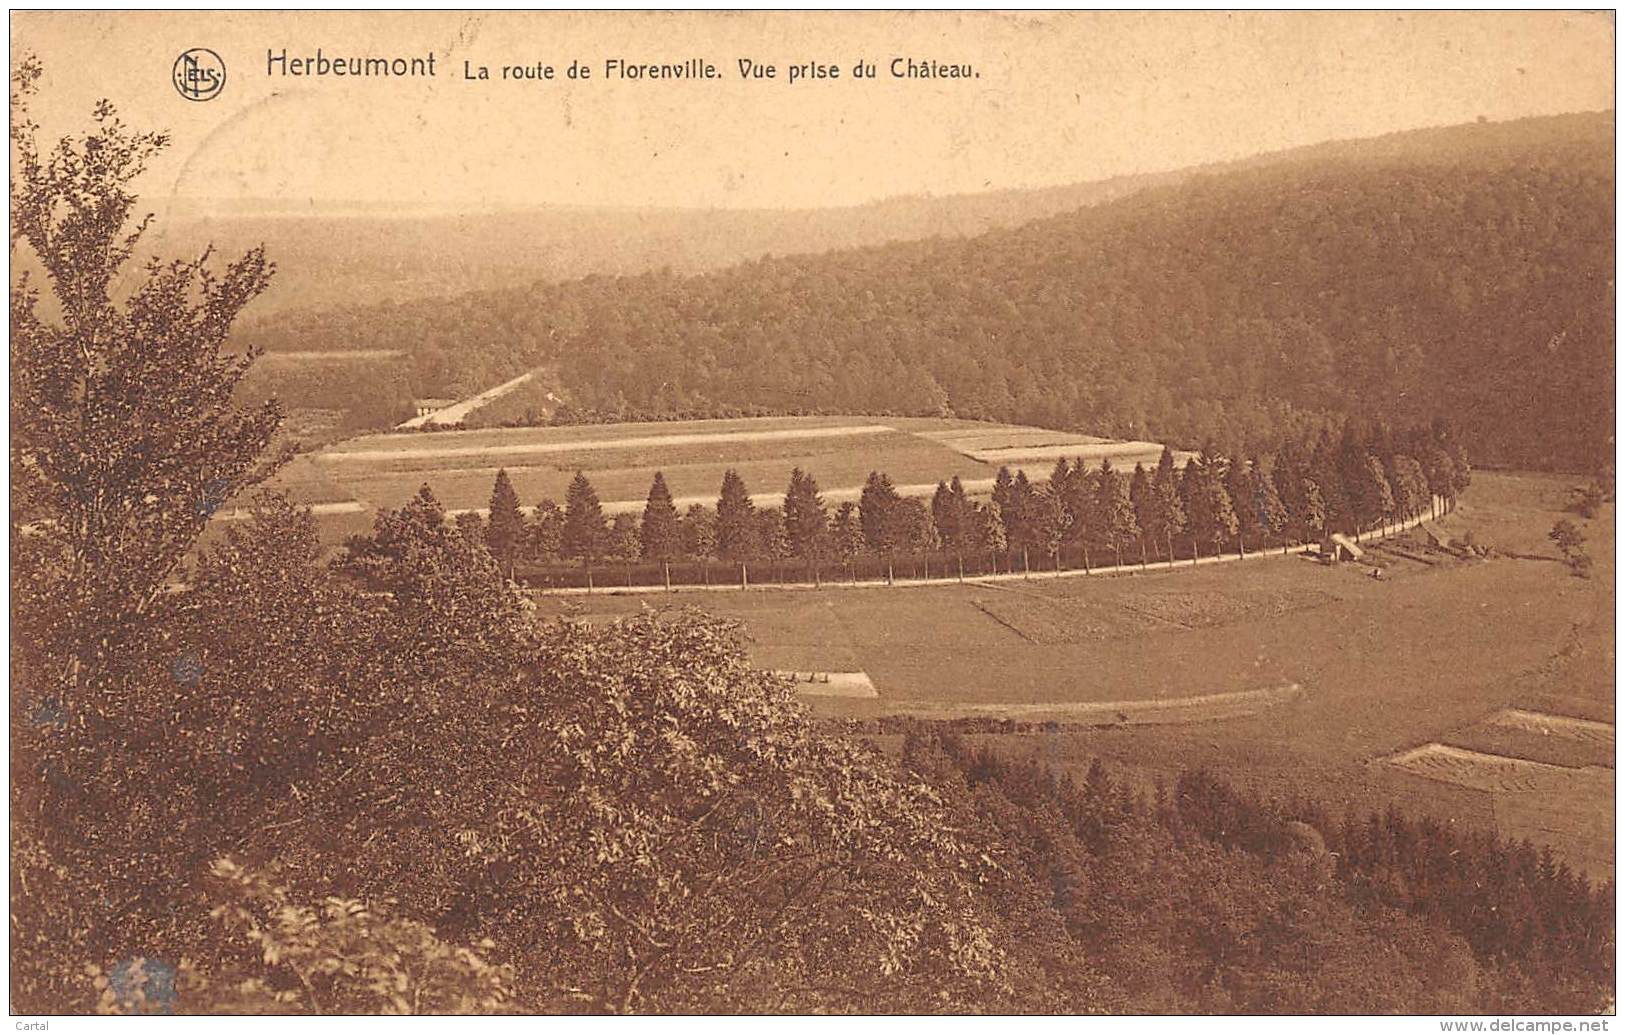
point(977, 604)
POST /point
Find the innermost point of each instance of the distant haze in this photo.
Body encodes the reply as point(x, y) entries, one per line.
point(1062, 98)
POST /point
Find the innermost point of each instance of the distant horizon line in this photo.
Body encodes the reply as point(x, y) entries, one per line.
point(288, 208)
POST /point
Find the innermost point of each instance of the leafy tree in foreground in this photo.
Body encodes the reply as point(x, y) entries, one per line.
point(1300, 495)
point(125, 437)
point(911, 529)
point(341, 957)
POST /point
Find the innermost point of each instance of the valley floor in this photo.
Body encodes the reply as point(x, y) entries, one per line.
point(1448, 687)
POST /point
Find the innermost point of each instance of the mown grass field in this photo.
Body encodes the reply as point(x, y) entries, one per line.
point(1427, 654)
point(621, 459)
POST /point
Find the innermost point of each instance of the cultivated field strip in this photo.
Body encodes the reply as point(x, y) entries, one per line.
point(1014, 446)
point(983, 437)
point(1514, 749)
point(611, 466)
point(1477, 769)
point(1122, 454)
point(1585, 731)
point(1539, 736)
point(541, 447)
point(384, 441)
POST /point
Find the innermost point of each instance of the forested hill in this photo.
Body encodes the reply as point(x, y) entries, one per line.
point(329, 257)
point(1463, 272)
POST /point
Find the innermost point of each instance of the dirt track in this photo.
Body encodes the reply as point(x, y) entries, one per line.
point(1148, 711)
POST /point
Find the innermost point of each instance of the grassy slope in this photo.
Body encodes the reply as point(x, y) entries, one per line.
point(1388, 665)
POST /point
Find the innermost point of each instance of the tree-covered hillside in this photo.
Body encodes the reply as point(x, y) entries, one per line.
point(334, 254)
point(1465, 271)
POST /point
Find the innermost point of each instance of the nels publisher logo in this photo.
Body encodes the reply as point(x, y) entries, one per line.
point(199, 74)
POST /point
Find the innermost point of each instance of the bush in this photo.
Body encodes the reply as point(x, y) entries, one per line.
point(342, 957)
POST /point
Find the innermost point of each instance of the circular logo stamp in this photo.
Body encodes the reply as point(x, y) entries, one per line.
point(199, 74)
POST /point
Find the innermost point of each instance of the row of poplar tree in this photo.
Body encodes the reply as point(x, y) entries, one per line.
point(1365, 479)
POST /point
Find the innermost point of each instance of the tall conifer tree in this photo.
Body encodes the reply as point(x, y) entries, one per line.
point(585, 535)
point(505, 529)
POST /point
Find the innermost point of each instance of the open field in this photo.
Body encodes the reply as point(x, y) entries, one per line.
point(601, 453)
point(621, 459)
point(1475, 655)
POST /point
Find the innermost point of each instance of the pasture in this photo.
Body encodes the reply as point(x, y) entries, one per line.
point(1507, 663)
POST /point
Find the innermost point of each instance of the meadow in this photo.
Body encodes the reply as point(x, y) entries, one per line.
point(1439, 651)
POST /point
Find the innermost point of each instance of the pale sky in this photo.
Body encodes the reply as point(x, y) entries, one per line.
point(1061, 99)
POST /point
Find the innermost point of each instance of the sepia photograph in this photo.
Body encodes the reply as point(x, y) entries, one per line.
point(865, 513)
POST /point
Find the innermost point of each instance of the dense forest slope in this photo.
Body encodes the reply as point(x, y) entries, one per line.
point(1465, 271)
